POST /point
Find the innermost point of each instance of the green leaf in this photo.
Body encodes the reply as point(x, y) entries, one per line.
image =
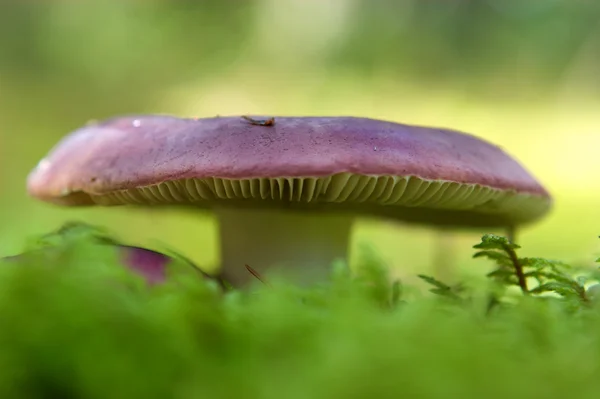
point(441, 289)
point(541, 263)
point(501, 273)
point(493, 241)
point(565, 290)
point(433, 281)
point(499, 257)
point(563, 278)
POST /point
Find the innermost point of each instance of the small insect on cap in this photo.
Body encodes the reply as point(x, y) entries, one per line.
point(359, 164)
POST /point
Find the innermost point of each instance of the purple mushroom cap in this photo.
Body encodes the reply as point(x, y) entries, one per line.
point(150, 264)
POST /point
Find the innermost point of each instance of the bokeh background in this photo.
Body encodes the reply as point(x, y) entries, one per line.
point(523, 74)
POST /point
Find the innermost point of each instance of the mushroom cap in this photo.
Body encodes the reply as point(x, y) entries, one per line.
point(347, 164)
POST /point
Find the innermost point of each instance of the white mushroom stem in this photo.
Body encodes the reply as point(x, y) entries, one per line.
point(293, 245)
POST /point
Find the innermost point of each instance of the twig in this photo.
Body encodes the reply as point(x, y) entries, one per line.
point(518, 268)
point(257, 275)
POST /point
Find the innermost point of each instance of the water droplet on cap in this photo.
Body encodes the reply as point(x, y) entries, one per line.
point(136, 123)
point(43, 165)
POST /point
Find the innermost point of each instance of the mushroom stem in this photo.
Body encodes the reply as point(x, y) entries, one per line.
point(296, 246)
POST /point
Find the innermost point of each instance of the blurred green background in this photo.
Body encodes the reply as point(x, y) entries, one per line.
point(523, 74)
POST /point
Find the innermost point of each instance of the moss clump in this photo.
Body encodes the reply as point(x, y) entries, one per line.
point(79, 325)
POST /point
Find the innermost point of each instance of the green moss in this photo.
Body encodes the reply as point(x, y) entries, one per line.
point(79, 325)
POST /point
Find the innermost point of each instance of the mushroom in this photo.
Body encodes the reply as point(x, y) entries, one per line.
point(151, 265)
point(286, 193)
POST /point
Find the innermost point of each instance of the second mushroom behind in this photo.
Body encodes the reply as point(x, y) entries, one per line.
point(286, 194)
